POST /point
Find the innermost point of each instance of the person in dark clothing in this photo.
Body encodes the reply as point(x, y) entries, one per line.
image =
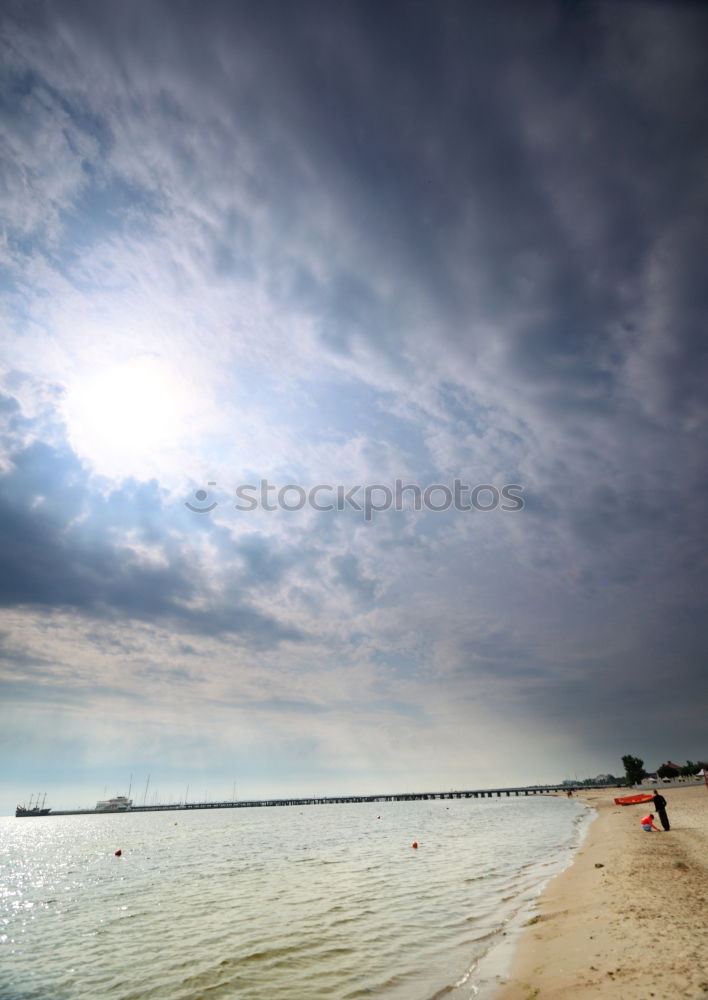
point(660, 806)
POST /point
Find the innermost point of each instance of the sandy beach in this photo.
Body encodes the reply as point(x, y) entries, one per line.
point(628, 917)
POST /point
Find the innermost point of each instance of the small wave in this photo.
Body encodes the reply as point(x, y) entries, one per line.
point(270, 954)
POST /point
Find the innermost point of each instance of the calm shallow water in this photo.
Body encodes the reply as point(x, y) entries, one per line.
point(320, 903)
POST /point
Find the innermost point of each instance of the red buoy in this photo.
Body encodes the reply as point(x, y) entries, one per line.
point(414, 844)
point(118, 853)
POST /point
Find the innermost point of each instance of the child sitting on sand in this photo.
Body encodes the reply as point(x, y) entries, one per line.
point(648, 823)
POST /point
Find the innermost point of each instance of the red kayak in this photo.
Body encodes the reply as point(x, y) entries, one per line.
point(632, 800)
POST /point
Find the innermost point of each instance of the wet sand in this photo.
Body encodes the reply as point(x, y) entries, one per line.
point(628, 918)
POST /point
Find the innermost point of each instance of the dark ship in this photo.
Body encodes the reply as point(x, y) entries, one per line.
point(33, 810)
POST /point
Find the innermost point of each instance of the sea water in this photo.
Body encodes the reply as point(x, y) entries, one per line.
point(322, 902)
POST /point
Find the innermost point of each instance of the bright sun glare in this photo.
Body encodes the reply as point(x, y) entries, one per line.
point(121, 415)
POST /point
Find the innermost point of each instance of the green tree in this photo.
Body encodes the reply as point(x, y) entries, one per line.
point(667, 772)
point(690, 769)
point(633, 769)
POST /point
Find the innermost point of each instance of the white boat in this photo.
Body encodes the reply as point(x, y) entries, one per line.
point(119, 804)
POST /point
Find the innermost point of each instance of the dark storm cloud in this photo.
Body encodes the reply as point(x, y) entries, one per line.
point(64, 546)
point(523, 171)
point(647, 684)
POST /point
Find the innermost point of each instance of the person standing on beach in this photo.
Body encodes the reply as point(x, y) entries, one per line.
point(660, 806)
point(648, 823)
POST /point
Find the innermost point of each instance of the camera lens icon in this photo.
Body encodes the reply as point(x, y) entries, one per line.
point(201, 496)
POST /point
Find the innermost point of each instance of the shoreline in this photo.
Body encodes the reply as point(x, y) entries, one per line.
point(626, 918)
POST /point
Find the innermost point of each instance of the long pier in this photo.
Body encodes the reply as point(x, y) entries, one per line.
point(479, 793)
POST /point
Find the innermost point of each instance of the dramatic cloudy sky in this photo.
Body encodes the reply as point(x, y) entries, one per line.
point(345, 243)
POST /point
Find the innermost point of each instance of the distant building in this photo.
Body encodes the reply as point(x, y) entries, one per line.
point(670, 764)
